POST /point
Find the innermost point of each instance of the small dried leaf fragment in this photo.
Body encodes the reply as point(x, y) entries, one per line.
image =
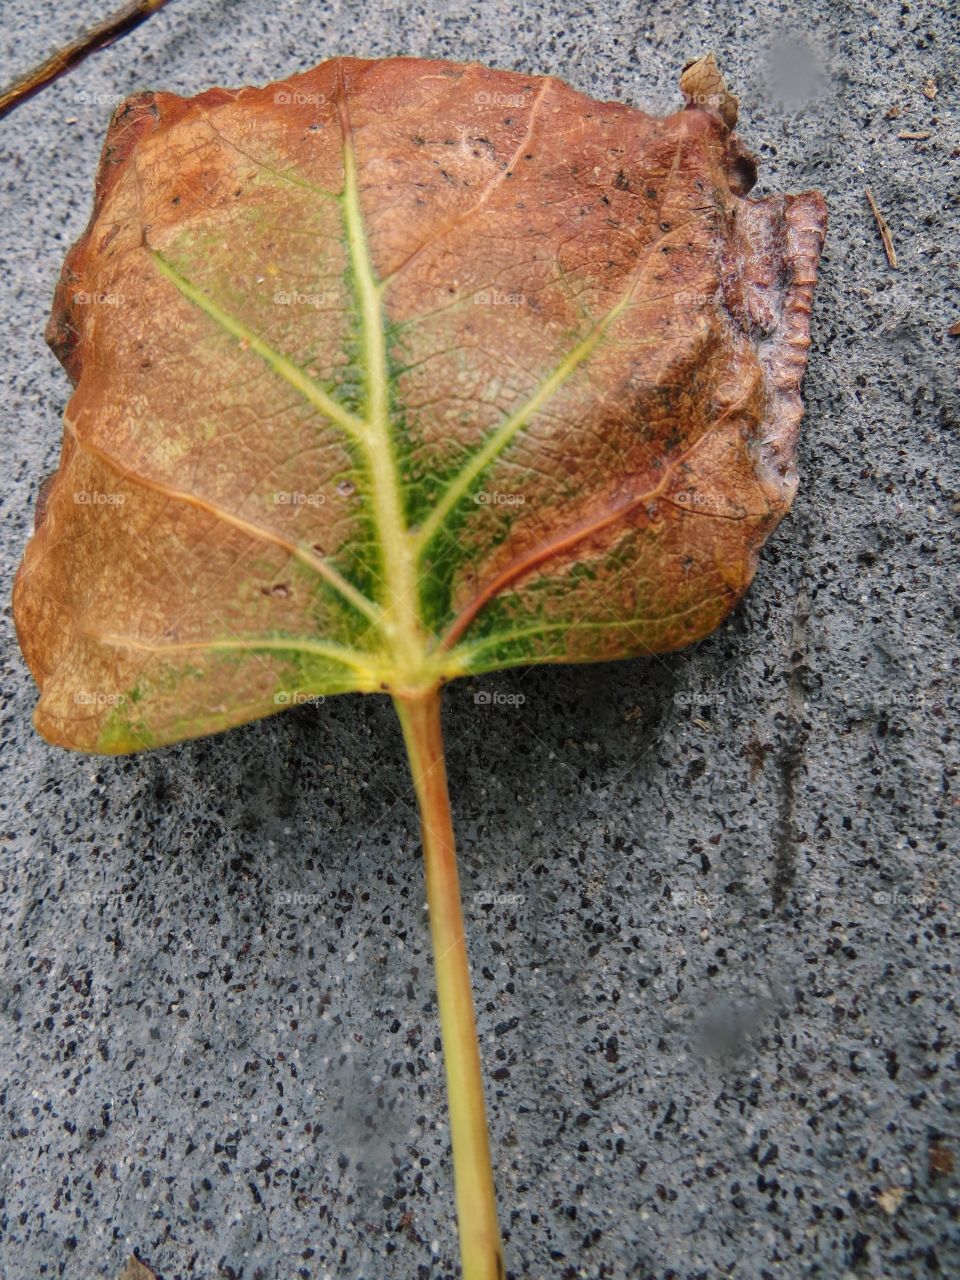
point(402, 370)
point(890, 1200)
point(703, 85)
point(883, 227)
point(940, 1160)
point(134, 1269)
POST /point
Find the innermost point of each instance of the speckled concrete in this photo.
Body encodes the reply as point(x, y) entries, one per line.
point(712, 898)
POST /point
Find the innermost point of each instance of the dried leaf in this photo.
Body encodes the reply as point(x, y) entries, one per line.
point(136, 1270)
point(397, 372)
point(890, 1200)
point(702, 85)
point(404, 370)
point(940, 1160)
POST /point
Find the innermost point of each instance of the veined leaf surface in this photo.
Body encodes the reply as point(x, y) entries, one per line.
point(399, 371)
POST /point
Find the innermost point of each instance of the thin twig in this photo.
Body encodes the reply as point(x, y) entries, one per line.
point(885, 235)
point(104, 33)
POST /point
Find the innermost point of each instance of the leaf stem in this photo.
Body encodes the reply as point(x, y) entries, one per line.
point(481, 1251)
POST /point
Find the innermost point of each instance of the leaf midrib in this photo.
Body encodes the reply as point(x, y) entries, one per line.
point(401, 626)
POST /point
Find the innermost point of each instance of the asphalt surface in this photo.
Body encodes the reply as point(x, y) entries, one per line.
point(711, 898)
